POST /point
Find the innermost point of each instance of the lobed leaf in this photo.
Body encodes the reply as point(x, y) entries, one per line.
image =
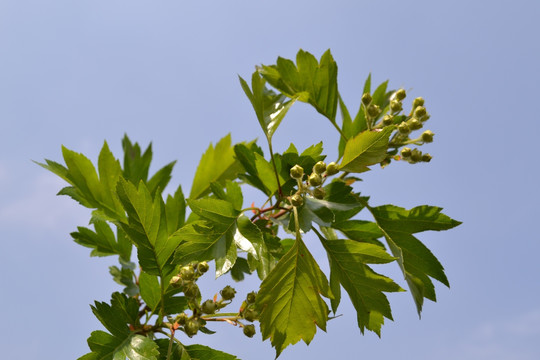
point(365, 287)
point(269, 107)
point(416, 261)
point(217, 164)
point(309, 80)
point(289, 299)
point(147, 227)
point(365, 149)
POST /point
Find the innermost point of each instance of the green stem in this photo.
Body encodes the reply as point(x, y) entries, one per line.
point(171, 340)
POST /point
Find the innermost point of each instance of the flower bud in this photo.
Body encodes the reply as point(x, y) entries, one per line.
point(416, 155)
point(251, 297)
point(332, 169)
point(315, 179)
point(191, 327)
point(387, 120)
point(249, 330)
point(414, 124)
point(319, 193)
point(227, 293)
point(187, 273)
point(181, 318)
point(297, 200)
point(202, 267)
point(427, 136)
point(373, 110)
point(396, 106)
point(418, 102)
point(366, 99)
point(191, 290)
point(250, 314)
point(426, 158)
point(406, 152)
point(404, 129)
point(297, 172)
point(420, 112)
point(319, 167)
point(176, 281)
point(400, 94)
point(209, 307)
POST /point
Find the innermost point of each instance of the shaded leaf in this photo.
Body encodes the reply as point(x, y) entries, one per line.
point(365, 287)
point(309, 80)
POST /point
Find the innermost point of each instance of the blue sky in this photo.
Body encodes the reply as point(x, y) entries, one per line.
point(78, 73)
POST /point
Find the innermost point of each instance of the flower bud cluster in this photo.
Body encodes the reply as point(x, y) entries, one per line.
point(314, 182)
point(414, 156)
point(192, 324)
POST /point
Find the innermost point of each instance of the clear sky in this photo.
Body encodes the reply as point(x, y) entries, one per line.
point(80, 72)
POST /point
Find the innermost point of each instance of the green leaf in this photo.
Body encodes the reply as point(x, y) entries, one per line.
point(309, 80)
point(150, 290)
point(124, 277)
point(217, 164)
point(266, 174)
point(147, 227)
point(246, 156)
point(160, 179)
point(269, 107)
point(289, 299)
point(215, 210)
point(122, 343)
point(416, 261)
point(175, 209)
point(136, 166)
point(102, 241)
point(365, 287)
point(233, 195)
point(240, 268)
point(132, 347)
point(261, 260)
point(202, 352)
point(86, 188)
point(365, 149)
point(346, 126)
point(204, 240)
point(360, 230)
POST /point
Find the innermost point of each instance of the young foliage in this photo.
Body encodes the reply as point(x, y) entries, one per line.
point(161, 308)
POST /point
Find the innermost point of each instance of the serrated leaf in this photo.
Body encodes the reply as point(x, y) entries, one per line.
point(217, 164)
point(132, 347)
point(147, 227)
point(416, 261)
point(269, 107)
point(136, 166)
point(365, 149)
point(266, 174)
point(215, 210)
point(102, 240)
point(365, 287)
point(150, 290)
point(124, 277)
point(289, 299)
point(309, 80)
point(175, 209)
point(202, 352)
point(202, 240)
point(160, 179)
